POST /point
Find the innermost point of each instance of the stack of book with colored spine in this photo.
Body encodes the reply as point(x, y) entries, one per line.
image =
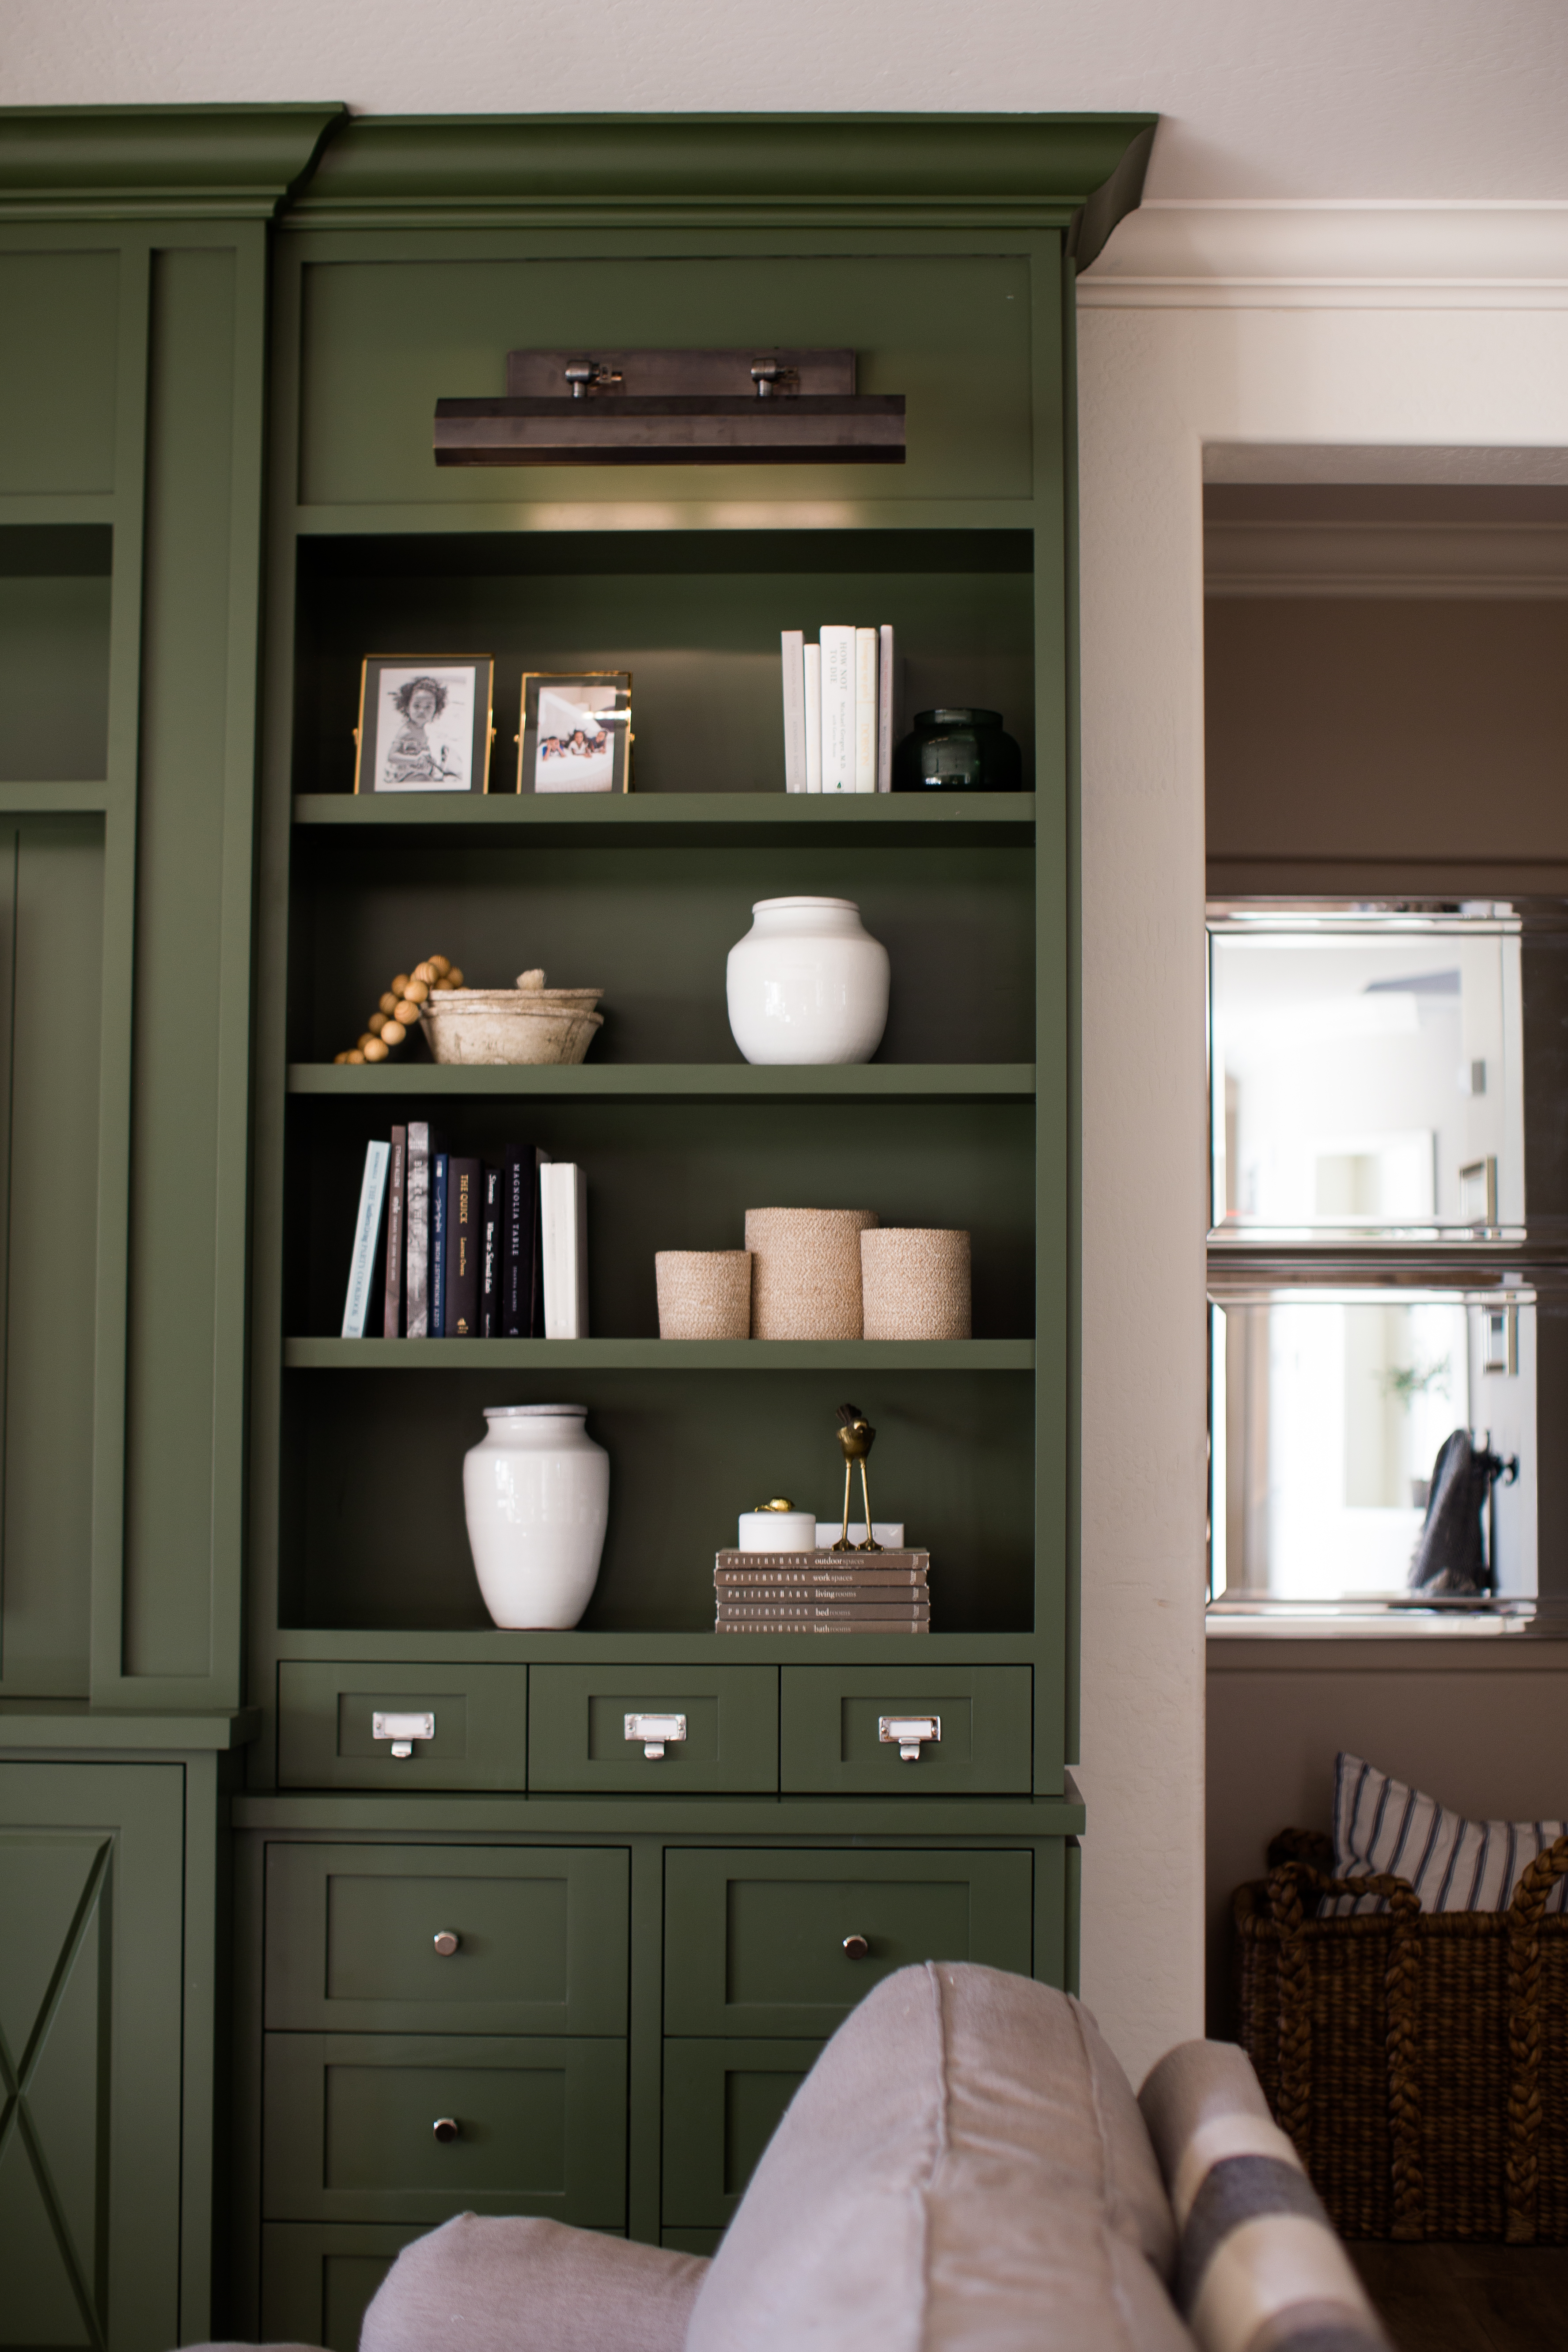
point(823, 1591)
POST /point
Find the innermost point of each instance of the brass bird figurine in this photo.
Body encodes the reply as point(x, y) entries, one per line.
point(855, 1439)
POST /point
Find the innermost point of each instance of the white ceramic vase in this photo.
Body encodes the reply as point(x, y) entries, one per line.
point(807, 984)
point(536, 1489)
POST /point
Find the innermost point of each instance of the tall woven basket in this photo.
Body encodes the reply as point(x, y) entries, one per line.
point(1418, 2061)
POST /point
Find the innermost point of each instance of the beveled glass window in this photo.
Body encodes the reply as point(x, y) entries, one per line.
point(1366, 1073)
point(1334, 1411)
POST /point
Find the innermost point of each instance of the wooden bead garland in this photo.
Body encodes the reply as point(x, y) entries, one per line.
point(400, 1008)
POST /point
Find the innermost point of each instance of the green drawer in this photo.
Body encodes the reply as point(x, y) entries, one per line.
point(326, 1731)
point(829, 1739)
point(541, 1938)
point(722, 2101)
point(577, 1734)
point(349, 2128)
point(755, 1941)
point(318, 2277)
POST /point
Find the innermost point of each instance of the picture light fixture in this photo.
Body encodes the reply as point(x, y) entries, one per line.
point(674, 408)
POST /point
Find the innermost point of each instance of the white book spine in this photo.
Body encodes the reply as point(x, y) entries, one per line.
point(889, 717)
point(864, 710)
point(838, 708)
point(563, 1239)
point(812, 667)
point(791, 654)
point(371, 1200)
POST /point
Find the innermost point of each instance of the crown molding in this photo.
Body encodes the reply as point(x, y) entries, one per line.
point(1079, 172)
point(1313, 256)
point(1470, 560)
point(128, 162)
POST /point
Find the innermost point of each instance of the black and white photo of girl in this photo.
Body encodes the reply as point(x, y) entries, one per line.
point(425, 730)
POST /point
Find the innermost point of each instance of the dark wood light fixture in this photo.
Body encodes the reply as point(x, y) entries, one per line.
point(674, 408)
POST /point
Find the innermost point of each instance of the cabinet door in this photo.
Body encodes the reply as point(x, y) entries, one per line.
point(722, 2101)
point(468, 1939)
point(538, 2126)
point(317, 2278)
point(766, 1942)
point(91, 1875)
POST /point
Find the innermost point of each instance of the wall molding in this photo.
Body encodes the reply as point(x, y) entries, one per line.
point(1375, 255)
point(1470, 560)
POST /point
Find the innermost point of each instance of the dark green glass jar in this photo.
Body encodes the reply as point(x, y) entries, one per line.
point(958, 752)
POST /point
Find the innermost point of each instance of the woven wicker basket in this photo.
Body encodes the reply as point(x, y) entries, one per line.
point(1418, 2061)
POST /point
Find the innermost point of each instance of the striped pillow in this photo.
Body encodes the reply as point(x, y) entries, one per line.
point(1452, 1864)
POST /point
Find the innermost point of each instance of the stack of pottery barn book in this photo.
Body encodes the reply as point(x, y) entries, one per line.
point(823, 1591)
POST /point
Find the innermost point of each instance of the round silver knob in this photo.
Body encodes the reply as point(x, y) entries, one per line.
point(445, 1943)
point(445, 2128)
point(857, 1947)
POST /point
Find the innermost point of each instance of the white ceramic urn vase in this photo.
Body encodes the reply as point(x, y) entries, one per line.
point(536, 1489)
point(807, 984)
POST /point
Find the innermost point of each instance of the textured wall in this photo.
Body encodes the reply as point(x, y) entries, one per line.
point(1414, 98)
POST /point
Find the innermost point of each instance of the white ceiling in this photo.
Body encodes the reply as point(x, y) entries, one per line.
point(1281, 99)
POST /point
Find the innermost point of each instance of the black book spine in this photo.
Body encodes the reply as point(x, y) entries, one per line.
point(520, 1232)
point(462, 1249)
point(536, 1316)
point(391, 1311)
point(492, 1240)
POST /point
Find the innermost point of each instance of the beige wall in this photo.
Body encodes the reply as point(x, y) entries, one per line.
point(1348, 727)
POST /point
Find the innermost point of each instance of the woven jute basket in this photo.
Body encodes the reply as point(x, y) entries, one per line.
point(915, 1281)
point(703, 1293)
point(805, 1272)
point(1419, 2060)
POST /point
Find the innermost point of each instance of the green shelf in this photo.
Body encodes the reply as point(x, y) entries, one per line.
point(678, 1081)
point(626, 816)
point(659, 1355)
point(27, 799)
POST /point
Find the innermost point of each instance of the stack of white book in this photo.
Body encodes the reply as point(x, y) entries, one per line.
point(842, 712)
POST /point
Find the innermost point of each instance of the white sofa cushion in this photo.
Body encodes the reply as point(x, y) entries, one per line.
point(966, 2164)
point(478, 2285)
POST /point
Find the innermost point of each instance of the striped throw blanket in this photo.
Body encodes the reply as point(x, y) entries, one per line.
point(1453, 1863)
point(1260, 2268)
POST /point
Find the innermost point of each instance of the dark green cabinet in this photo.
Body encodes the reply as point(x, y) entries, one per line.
point(91, 1881)
point(581, 1737)
point(328, 1737)
point(769, 1942)
point(722, 2102)
point(224, 1527)
point(319, 2276)
point(370, 1938)
point(972, 1725)
point(416, 2127)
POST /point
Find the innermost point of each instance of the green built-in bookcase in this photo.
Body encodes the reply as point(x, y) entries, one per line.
point(227, 1533)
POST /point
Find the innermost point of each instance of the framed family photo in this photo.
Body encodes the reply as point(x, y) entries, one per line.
point(424, 723)
point(576, 732)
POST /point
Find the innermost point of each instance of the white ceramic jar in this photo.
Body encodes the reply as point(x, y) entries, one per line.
point(536, 1489)
point(807, 984)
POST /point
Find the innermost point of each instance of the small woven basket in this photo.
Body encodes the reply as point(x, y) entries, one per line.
point(805, 1272)
point(915, 1283)
point(1418, 2061)
point(703, 1293)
